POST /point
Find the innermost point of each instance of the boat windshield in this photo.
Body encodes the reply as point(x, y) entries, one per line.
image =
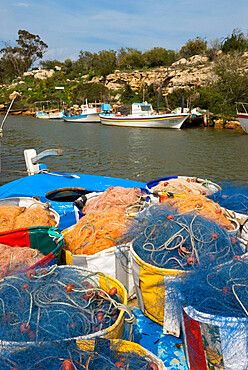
point(146, 108)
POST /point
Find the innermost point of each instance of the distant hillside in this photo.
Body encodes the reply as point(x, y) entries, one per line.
point(210, 84)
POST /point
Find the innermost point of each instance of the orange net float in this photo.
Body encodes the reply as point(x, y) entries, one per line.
point(202, 205)
point(96, 231)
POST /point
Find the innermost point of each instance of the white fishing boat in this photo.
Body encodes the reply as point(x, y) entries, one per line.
point(195, 112)
point(42, 115)
point(46, 110)
point(85, 113)
point(56, 114)
point(242, 114)
point(142, 115)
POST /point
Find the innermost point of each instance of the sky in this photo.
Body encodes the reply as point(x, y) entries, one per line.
point(69, 26)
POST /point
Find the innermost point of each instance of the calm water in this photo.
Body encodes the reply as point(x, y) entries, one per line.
point(134, 153)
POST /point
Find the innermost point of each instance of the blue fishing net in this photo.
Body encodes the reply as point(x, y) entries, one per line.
point(102, 355)
point(232, 197)
point(56, 303)
point(221, 291)
point(167, 239)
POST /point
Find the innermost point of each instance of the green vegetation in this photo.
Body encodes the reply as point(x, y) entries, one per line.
point(18, 59)
point(193, 47)
point(75, 76)
point(236, 42)
point(92, 92)
point(220, 97)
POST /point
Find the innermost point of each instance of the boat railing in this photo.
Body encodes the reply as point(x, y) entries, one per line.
point(241, 107)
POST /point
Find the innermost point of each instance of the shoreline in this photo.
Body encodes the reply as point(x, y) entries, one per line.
point(203, 121)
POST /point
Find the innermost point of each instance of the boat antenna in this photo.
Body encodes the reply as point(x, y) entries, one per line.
point(12, 98)
point(182, 106)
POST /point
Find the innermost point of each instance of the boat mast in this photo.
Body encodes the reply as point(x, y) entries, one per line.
point(12, 97)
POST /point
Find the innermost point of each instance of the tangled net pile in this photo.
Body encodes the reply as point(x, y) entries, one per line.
point(96, 231)
point(127, 200)
point(202, 205)
point(220, 291)
point(15, 217)
point(166, 239)
point(101, 355)
point(54, 304)
point(232, 198)
point(182, 186)
point(14, 259)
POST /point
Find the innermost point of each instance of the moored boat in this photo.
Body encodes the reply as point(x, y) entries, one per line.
point(85, 113)
point(142, 115)
point(42, 115)
point(74, 117)
point(242, 114)
point(56, 114)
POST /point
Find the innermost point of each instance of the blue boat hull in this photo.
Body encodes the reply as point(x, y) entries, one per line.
point(39, 185)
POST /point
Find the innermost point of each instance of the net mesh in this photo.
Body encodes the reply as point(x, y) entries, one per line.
point(127, 200)
point(215, 313)
point(55, 304)
point(167, 239)
point(203, 206)
point(16, 259)
point(15, 217)
point(220, 290)
point(232, 197)
point(102, 354)
point(96, 231)
point(182, 186)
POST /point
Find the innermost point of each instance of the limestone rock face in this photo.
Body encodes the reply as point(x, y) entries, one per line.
point(183, 74)
point(219, 123)
point(197, 71)
point(233, 125)
point(39, 73)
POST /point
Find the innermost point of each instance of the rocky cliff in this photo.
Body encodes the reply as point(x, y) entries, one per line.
point(184, 73)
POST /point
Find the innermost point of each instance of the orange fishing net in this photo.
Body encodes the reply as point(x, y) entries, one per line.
point(125, 199)
point(96, 231)
point(13, 259)
point(202, 205)
point(15, 217)
point(8, 215)
point(181, 186)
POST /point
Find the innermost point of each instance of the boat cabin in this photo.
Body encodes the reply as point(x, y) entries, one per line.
point(142, 109)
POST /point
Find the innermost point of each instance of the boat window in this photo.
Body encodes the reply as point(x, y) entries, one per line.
point(145, 108)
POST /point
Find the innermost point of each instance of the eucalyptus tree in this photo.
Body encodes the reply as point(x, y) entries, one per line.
point(21, 57)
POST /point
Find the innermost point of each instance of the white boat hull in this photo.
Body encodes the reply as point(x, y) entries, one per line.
point(42, 115)
point(243, 119)
point(56, 115)
point(153, 121)
point(50, 115)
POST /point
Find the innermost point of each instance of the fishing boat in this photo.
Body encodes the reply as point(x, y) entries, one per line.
point(142, 115)
point(46, 110)
point(85, 113)
point(242, 114)
point(56, 114)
